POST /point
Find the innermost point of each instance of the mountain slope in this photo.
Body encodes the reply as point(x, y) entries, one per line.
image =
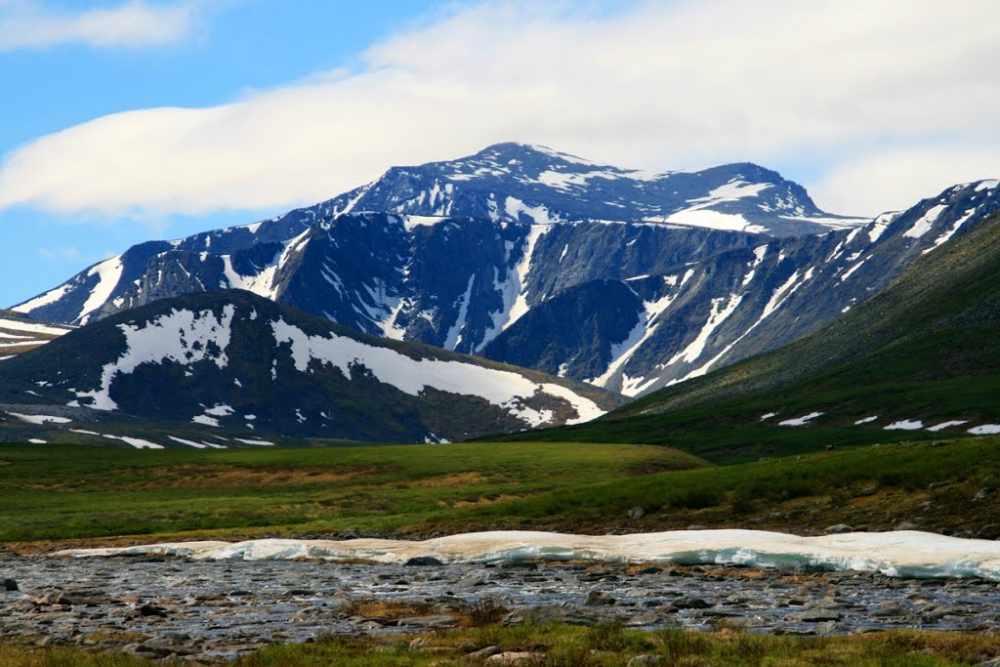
point(703, 315)
point(919, 360)
point(505, 181)
point(235, 360)
point(20, 334)
point(501, 185)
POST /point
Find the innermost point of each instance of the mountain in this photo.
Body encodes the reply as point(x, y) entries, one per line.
point(235, 360)
point(20, 334)
point(919, 360)
point(676, 325)
point(528, 190)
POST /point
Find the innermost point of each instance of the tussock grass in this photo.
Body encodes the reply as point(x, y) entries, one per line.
point(607, 645)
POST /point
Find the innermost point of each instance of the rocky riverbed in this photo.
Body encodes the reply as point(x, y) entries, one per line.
point(205, 611)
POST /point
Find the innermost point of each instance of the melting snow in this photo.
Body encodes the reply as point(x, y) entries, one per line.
point(944, 238)
point(506, 389)
point(109, 273)
point(943, 425)
point(801, 421)
point(169, 337)
point(985, 429)
point(905, 425)
point(926, 222)
point(40, 419)
point(866, 420)
point(766, 416)
point(138, 443)
point(894, 553)
point(45, 299)
point(261, 443)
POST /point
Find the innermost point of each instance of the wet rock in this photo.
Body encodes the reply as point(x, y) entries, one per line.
point(516, 658)
point(599, 599)
point(484, 653)
point(10, 586)
point(151, 610)
point(423, 561)
point(889, 608)
point(645, 661)
point(436, 621)
point(838, 528)
point(692, 603)
point(818, 615)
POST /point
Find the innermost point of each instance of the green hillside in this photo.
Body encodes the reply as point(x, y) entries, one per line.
point(924, 350)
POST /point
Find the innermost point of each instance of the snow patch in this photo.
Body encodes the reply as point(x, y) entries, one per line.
point(168, 338)
point(801, 421)
point(109, 273)
point(905, 425)
point(505, 389)
point(926, 222)
point(40, 419)
point(907, 554)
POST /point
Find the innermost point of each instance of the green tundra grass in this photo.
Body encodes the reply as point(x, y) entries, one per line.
point(609, 645)
point(80, 494)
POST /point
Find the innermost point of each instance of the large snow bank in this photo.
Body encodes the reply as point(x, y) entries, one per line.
point(899, 553)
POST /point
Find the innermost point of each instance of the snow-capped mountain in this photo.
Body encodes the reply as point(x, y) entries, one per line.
point(650, 331)
point(499, 255)
point(237, 361)
point(506, 184)
point(20, 334)
point(506, 181)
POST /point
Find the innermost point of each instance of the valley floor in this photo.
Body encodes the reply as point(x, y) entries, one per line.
point(260, 613)
point(84, 496)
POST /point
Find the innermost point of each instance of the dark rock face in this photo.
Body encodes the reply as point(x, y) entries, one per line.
point(745, 301)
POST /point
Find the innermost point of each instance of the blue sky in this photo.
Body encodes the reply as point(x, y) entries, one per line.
point(234, 47)
point(127, 120)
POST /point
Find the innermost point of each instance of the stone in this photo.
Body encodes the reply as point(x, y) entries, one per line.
point(635, 513)
point(515, 658)
point(148, 610)
point(645, 661)
point(838, 528)
point(10, 586)
point(906, 525)
point(423, 561)
point(484, 653)
point(599, 599)
point(691, 603)
point(818, 615)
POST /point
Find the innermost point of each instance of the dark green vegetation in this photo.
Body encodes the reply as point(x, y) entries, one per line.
point(558, 645)
point(926, 348)
point(83, 494)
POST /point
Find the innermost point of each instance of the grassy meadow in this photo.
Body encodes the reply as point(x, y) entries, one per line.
point(77, 495)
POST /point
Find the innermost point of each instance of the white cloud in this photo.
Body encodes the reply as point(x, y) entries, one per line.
point(26, 24)
point(896, 179)
point(659, 86)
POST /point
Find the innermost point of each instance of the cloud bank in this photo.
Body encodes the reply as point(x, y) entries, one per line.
point(891, 103)
point(26, 24)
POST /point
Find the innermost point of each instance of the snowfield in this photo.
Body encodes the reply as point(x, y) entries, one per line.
point(896, 554)
point(412, 376)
